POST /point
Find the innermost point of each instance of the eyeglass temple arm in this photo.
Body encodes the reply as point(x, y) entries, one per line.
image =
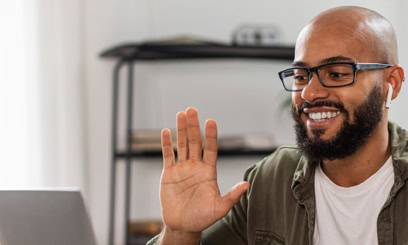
point(374, 66)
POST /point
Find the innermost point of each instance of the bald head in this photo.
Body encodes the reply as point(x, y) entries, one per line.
point(371, 32)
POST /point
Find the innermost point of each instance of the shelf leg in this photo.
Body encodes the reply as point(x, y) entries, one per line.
point(128, 148)
point(115, 94)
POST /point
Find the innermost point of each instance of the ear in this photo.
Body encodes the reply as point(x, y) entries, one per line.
point(395, 79)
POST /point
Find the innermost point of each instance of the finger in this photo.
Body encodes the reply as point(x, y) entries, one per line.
point(210, 144)
point(226, 202)
point(167, 148)
point(182, 149)
point(193, 135)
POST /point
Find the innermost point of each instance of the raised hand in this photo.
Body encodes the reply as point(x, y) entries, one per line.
point(189, 193)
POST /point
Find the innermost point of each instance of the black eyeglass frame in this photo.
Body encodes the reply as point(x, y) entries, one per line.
point(356, 67)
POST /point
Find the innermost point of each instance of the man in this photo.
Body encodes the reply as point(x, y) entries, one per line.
point(344, 183)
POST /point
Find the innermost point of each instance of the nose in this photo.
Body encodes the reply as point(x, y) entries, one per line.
point(314, 90)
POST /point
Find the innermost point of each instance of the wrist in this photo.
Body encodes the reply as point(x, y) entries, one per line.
point(170, 236)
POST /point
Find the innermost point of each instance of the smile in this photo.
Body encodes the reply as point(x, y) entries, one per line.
point(321, 116)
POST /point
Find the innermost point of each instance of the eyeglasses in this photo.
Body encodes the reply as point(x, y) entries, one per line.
point(331, 75)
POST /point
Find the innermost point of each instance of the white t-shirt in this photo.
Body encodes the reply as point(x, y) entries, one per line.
point(349, 215)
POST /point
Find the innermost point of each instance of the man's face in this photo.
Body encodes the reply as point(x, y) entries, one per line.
point(349, 138)
point(355, 111)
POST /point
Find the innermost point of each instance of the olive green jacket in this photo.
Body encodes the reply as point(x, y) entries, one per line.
point(279, 207)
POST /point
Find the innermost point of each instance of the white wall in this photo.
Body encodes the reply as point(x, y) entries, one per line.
point(241, 95)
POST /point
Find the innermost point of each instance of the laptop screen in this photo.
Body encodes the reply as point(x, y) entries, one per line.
point(44, 217)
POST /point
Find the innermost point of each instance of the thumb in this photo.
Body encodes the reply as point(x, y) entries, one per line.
point(231, 198)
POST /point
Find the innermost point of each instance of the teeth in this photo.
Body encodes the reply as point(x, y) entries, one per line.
point(319, 116)
point(329, 115)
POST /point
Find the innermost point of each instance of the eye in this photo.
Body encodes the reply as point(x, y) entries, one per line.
point(300, 79)
point(337, 74)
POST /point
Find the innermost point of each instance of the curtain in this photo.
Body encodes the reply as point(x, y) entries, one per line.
point(42, 110)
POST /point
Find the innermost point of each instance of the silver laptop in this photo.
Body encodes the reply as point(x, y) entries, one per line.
point(44, 217)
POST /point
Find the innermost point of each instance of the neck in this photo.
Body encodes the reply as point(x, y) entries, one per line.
point(355, 169)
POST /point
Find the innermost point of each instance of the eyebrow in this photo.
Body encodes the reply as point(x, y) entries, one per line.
point(324, 61)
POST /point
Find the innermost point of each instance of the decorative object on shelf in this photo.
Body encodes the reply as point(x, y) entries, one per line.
point(257, 35)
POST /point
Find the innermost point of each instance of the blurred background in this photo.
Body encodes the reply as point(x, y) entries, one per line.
point(56, 90)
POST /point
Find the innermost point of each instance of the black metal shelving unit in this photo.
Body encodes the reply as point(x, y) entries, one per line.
point(127, 55)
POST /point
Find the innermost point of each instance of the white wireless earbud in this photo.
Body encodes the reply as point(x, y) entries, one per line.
point(389, 96)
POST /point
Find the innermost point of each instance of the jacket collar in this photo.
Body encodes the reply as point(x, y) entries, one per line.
point(399, 148)
point(302, 184)
point(399, 151)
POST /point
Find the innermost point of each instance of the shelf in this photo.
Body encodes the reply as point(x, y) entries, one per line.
point(155, 52)
point(126, 56)
point(221, 153)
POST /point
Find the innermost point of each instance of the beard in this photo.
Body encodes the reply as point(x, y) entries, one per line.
point(351, 136)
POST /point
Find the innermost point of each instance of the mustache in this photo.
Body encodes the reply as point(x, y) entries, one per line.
point(327, 103)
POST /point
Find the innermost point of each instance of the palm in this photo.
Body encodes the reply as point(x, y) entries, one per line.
point(189, 193)
point(191, 190)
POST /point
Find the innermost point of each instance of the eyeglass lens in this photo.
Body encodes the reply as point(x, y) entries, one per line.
point(332, 75)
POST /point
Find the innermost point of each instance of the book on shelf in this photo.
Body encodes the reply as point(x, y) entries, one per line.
point(257, 141)
point(145, 227)
point(150, 140)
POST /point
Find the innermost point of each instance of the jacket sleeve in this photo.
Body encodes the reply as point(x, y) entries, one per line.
point(232, 229)
point(153, 241)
